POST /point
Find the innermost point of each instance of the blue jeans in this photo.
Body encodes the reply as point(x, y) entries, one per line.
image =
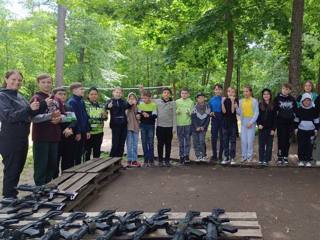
point(184, 136)
point(230, 141)
point(132, 146)
point(199, 143)
point(147, 139)
point(216, 131)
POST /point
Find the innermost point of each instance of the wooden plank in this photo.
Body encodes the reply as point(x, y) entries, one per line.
point(76, 177)
point(60, 179)
point(104, 165)
point(79, 166)
point(83, 181)
point(92, 165)
point(233, 216)
point(103, 175)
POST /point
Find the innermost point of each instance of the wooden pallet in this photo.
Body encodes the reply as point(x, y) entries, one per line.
point(246, 222)
point(85, 179)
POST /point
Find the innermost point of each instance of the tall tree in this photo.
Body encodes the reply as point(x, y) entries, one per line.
point(62, 12)
point(296, 44)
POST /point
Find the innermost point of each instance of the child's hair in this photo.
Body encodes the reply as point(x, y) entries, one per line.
point(166, 89)
point(287, 85)
point(92, 89)
point(249, 88)
point(8, 74)
point(75, 85)
point(184, 90)
point(311, 83)
point(263, 105)
point(118, 88)
point(58, 89)
point(43, 76)
point(146, 93)
point(218, 85)
point(231, 88)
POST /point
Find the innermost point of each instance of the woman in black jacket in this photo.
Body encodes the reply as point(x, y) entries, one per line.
point(15, 117)
point(266, 124)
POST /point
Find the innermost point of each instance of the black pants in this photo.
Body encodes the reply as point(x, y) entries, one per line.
point(164, 137)
point(13, 165)
point(119, 136)
point(94, 145)
point(65, 154)
point(284, 133)
point(265, 145)
point(305, 145)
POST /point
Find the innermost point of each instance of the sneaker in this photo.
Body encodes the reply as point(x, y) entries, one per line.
point(167, 164)
point(186, 159)
point(136, 164)
point(260, 163)
point(243, 160)
point(308, 164)
point(249, 159)
point(279, 162)
point(198, 159)
point(285, 161)
point(151, 164)
point(265, 164)
point(233, 161)
point(213, 159)
point(301, 164)
point(224, 162)
point(129, 164)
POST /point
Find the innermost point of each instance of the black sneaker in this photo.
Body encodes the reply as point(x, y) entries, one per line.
point(213, 159)
point(186, 159)
point(285, 161)
point(167, 163)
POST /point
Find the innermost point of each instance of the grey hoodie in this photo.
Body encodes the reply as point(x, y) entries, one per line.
point(166, 111)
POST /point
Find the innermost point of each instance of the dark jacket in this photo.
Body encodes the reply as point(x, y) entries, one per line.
point(77, 106)
point(118, 112)
point(306, 119)
point(15, 118)
point(285, 107)
point(267, 117)
point(200, 117)
point(46, 131)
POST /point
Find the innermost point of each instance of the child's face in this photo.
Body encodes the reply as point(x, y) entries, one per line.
point(306, 102)
point(146, 99)
point(14, 82)
point(184, 94)
point(117, 93)
point(217, 91)
point(308, 87)
point(166, 94)
point(247, 93)
point(285, 91)
point(231, 92)
point(78, 91)
point(200, 99)
point(132, 99)
point(266, 96)
point(93, 96)
point(45, 85)
point(62, 95)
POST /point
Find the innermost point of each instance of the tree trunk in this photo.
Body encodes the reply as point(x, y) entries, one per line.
point(81, 63)
point(62, 11)
point(296, 45)
point(318, 84)
point(228, 79)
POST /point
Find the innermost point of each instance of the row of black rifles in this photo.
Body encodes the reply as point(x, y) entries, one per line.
point(134, 225)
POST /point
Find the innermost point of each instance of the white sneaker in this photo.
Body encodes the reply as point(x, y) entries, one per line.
point(308, 164)
point(204, 159)
point(301, 164)
point(198, 159)
point(233, 162)
point(224, 162)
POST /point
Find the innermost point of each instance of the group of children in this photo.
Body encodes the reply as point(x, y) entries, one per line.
point(67, 132)
point(284, 114)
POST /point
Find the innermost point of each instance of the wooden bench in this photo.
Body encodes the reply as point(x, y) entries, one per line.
point(246, 222)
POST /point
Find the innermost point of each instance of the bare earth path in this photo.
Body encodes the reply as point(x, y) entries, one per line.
point(287, 201)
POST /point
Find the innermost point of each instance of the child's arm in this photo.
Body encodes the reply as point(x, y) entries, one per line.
point(238, 109)
point(296, 120)
point(223, 107)
point(255, 111)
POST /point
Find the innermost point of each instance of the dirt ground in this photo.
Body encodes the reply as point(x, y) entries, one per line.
point(287, 200)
